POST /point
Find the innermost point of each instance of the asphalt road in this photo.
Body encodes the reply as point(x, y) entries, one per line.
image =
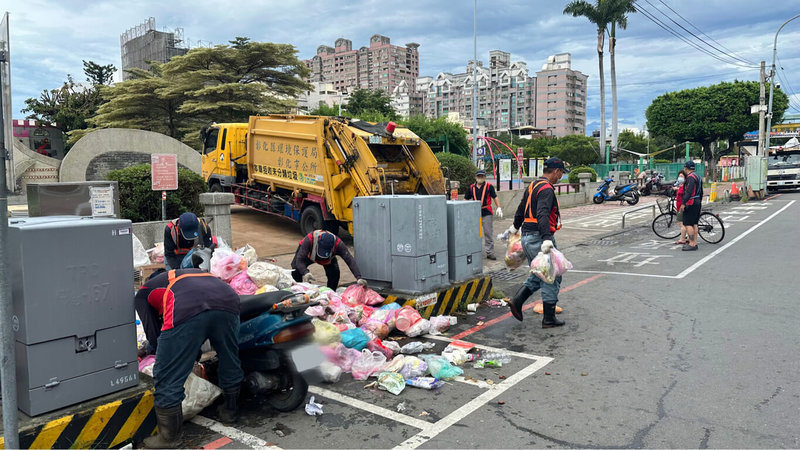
point(662, 348)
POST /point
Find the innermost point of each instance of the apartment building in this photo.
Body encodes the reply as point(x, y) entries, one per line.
point(561, 97)
point(380, 66)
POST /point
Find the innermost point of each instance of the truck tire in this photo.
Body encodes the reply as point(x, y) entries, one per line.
point(311, 219)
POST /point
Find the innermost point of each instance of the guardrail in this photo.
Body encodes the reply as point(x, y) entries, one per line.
point(652, 205)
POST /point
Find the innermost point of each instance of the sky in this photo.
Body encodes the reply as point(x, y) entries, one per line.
point(50, 38)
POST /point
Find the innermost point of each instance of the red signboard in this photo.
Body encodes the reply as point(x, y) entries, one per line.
point(164, 172)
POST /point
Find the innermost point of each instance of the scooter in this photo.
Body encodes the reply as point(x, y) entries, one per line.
point(656, 185)
point(628, 193)
point(275, 344)
point(276, 347)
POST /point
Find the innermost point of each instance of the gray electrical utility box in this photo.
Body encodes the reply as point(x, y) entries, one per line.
point(401, 241)
point(72, 288)
point(464, 243)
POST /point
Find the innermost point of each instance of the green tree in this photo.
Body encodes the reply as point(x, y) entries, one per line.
point(709, 113)
point(71, 105)
point(459, 168)
point(628, 140)
point(438, 132)
point(226, 83)
point(370, 103)
point(324, 110)
point(98, 74)
point(599, 15)
point(575, 149)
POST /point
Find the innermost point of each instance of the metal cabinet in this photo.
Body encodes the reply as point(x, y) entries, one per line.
point(464, 243)
point(72, 288)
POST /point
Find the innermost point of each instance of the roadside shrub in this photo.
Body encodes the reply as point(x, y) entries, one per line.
point(573, 174)
point(139, 203)
point(461, 169)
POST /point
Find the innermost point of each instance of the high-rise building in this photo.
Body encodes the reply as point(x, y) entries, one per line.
point(380, 66)
point(506, 93)
point(561, 97)
point(144, 43)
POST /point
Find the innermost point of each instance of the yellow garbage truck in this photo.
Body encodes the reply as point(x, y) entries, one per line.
point(309, 168)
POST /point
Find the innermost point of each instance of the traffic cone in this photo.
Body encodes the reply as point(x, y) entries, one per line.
point(735, 192)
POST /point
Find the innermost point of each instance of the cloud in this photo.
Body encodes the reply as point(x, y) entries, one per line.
point(50, 38)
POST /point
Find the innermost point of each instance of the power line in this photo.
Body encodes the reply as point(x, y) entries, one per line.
point(785, 80)
point(662, 81)
point(729, 51)
point(670, 30)
point(696, 36)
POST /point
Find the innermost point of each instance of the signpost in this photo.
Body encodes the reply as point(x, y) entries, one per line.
point(164, 177)
point(519, 163)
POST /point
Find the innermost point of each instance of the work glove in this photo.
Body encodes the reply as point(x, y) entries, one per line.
point(362, 282)
point(308, 278)
point(547, 246)
point(499, 213)
point(512, 230)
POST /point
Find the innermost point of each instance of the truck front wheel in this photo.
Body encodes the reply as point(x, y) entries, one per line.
point(311, 219)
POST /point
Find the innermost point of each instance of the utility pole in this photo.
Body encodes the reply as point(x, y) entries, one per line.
point(475, 84)
point(761, 111)
point(8, 370)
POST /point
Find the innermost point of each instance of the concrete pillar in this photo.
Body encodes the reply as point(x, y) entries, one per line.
point(218, 213)
point(583, 180)
point(624, 178)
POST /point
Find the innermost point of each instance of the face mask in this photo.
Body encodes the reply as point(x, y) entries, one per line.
point(680, 180)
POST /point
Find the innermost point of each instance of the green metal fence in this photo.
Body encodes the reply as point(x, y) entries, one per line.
point(670, 171)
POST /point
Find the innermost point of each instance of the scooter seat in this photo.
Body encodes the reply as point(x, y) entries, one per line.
point(254, 305)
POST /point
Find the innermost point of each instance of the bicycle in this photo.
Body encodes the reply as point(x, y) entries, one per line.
point(667, 226)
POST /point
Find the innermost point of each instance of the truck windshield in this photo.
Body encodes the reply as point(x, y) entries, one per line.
point(211, 141)
point(784, 161)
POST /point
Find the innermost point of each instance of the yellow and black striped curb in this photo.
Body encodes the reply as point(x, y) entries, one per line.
point(448, 300)
point(104, 426)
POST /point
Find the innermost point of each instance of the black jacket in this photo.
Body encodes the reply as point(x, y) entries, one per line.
point(543, 204)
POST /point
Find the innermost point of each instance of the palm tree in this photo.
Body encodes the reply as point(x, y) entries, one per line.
point(617, 10)
point(596, 13)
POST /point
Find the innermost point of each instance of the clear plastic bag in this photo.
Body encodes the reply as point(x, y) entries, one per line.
point(418, 329)
point(341, 356)
point(263, 273)
point(156, 253)
point(199, 393)
point(560, 263)
point(392, 382)
point(416, 347)
point(225, 264)
point(550, 266)
point(439, 367)
point(514, 255)
point(376, 328)
point(376, 345)
point(413, 367)
point(440, 324)
point(354, 295)
point(248, 253)
point(367, 364)
point(396, 364)
point(331, 373)
point(372, 298)
point(140, 257)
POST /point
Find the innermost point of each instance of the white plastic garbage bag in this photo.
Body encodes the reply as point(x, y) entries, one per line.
point(140, 256)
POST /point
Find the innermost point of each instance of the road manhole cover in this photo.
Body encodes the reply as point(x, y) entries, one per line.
point(505, 275)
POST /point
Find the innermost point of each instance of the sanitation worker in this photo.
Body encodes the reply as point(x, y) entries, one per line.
point(484, 192)
point(538, 218)
point(181, 235)
point(322, 247)
point(179, 310)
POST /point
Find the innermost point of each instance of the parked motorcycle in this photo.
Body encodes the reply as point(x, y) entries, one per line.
point(627, 193)
point(655, 184)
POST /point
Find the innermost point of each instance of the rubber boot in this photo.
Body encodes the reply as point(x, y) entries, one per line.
point(549, 320)
point(170, 422)
point(519, 299)
point(228, 412)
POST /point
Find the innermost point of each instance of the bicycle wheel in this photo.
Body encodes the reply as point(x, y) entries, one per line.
point(667, 226)
point(710, 228)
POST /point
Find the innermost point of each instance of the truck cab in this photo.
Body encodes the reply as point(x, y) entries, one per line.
point(224, 156)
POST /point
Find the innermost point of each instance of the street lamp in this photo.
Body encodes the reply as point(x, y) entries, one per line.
point(475, 83)
point(772, 82)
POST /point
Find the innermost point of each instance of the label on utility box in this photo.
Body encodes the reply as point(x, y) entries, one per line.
point(102, 201)
point(426, 300)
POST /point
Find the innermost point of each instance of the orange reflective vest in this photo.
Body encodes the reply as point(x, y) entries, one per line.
point(486, 202)
point(530, 210)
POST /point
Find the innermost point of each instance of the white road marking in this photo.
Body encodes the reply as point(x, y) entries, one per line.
point(458, 415)
point(694, 266)
point(232, 433)
point(646, 275)
point(369, 407)
point(630, 258)
point(486, 347)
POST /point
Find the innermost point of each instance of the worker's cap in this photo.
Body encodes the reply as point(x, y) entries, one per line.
point(555, 163)
point(190, 226)
point(480, 173)
point(325, 245)
point(689, 164)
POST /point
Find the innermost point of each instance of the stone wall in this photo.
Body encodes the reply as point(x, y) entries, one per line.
point(94, 155)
